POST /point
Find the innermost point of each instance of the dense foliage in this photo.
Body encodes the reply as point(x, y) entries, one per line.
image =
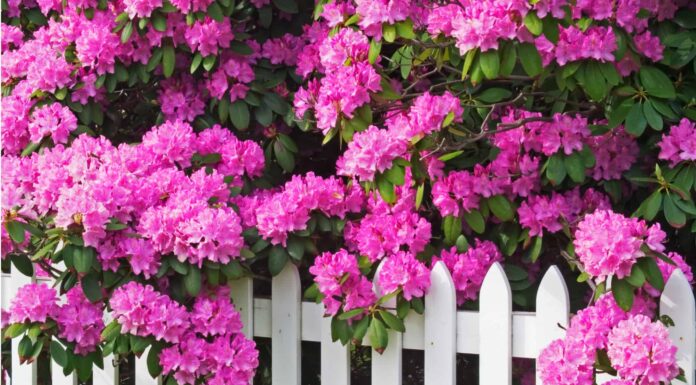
point(154, 151)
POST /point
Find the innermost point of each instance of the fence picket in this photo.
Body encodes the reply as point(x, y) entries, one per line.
point(142, 375)
point(495, 328)
point(21, 374)
point(552, 308)
point(335, 358)
point(58, 378)
point(242, 291)
point(440, 328)
point(677, 302)
point(386, 367)
point(108, 375)
point(286, 327)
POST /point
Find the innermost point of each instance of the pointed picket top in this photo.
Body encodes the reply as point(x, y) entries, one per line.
point(552, 308)
point(386, 367)
point(677, 302)
point(142, 374)
point(495, 328)
point(440, 328)
point(286, 327)
point(21, 373)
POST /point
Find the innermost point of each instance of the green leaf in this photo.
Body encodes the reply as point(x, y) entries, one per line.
point(215, 12)
point(58, 354)
point(239, 114)
point(490, 64)
point(285, 158)
point(22, 263)
point(388, 32)
point(16, 231)
point(25, 347)
point(83, 258)
point(126, 32)
point(277, 258)
point(14, 330)
point(555, 169)
point(159, 22)
point(288, 143)
point(91, 288)
point(508, 59)
point(673, 214)
point(287, 6)
point(395, 175)
point(378, 335)
point(575, 167)
point(530, 59)
point(475, 220)
point(209, 62)
point(168, 60)
point(351, 313)
point(623, 293)
point(468, 61)
point(386, 189)
point(656, 83)
point(594, 82)
point(515, 273)
point(192, 281)
point(340, 330)
point(651, 116)
point(636, 278)
point(405, 29)
point(276, 103)
point(652, 272)
point(296, 248)
point(635, 120)
point(375, 49)
point(452, 228)
point(535, 251)
point(419, 195)
point(360, 328)
point(501, 208)
point(153, 365)
point(392, 321)
point(652, 205)
point(493, 95)
point(533, 23)
point(111, 331)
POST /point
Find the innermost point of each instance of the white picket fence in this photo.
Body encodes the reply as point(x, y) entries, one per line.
point(495, 332)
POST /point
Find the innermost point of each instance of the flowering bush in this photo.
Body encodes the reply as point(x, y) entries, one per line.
point(155, 151)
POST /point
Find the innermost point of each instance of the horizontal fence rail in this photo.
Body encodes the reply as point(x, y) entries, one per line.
point(495, 332)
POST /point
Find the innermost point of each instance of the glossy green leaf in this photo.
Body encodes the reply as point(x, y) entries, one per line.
point(490, 64)
point(277, 259)
point(623, 293)
point(475, 220)
point(656, 83)
point(635, 120)
point(192, 281)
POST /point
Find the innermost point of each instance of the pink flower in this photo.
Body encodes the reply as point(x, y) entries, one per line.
point(80, 321)
point(403, 271)
point(608, 243)
point(679, 144)
point(615, 152)
point(590, 327)
point(370, 152)
point(54, 120)
point(565, 362)
point(642, 352)
point(337, 275)
point(649, 45)
point(469, 268)
point(141, 8)
point(181, 98)
point(34, 302)
point(209, 35)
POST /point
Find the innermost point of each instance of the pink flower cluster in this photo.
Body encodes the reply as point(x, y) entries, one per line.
point(371, 151)
point(679, 144)
point(607, 243)
point(181, 98)
point(550, 213)
point(403, 271)
point(145, 187)
point(349, 77)
point(596, 43)
point(642, 352)
point(469, 268)
point(79, 321)
point(52, 120)
point(426, 115)
point(386, 229)
point(205, 341)
point(277, 214)
point(614, 152)
point(478, 24)
point(341, 283)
